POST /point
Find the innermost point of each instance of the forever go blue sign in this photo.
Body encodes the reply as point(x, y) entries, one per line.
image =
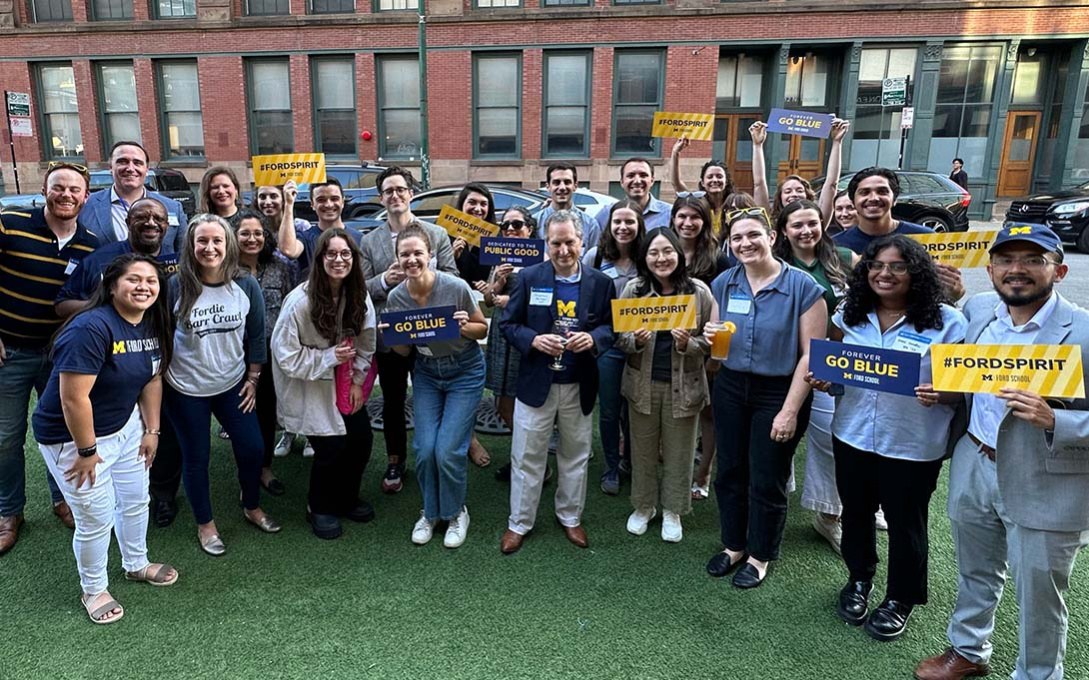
point(516, 251)
point(871, 368)
point(420, 326)
point(801, 123)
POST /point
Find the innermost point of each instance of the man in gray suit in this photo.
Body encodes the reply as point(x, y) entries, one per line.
point(1019, 481)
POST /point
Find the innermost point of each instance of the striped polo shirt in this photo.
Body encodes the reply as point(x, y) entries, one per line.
point(33, 268)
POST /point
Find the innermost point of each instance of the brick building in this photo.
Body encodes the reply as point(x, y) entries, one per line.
point(515, 83)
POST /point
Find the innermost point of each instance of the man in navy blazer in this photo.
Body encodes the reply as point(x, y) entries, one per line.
point(557, 289)
point(105, 211)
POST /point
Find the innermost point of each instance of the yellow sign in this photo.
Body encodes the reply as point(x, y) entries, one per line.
point(654, 314)
point(465, 226)
point(695, 126)
point(277, 169)
point(963, 249)
point(1047, 370)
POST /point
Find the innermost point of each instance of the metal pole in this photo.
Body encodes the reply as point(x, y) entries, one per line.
point(425, 158)
point(11, 140)
point(903, 130)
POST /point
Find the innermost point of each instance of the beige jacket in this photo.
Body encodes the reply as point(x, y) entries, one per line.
point(302, 369)
point(690, 393)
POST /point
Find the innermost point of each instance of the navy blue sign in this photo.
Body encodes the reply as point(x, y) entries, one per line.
point(420, 326)
point(801, 123)
point(871, 368)
point(518, 251)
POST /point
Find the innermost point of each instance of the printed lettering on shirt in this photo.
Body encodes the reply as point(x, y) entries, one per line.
point(213, 319)
point(137, 345)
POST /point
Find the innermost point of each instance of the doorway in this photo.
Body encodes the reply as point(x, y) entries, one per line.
point(1018, 153)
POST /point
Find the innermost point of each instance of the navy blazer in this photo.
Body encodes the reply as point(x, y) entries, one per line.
point(97, 217)
point(522, 322)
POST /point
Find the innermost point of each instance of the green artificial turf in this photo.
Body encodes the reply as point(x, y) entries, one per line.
point(372, 605)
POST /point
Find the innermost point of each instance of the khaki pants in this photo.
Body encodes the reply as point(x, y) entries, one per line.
point(675, 440)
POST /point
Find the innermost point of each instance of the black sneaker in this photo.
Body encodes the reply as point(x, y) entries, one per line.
point(393, 482)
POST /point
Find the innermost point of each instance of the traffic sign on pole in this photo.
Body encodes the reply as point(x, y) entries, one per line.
point(894, 91)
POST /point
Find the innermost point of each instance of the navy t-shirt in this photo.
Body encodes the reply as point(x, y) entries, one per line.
point(857, 240)
point(85, 279)
point(309, 240)
point(567, 300)
point(124, 356)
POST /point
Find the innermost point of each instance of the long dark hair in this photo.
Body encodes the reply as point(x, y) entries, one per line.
point(705, 263)
point(257, 190)
point(728, 185)
point(777, 205)
point(925, 296)
point(189, 280)
point(265, 256)
point(608, 248)
point(319, 291)
point(158, 315)
point(205, 198)
point(825, 248)
point(478, 188)
point(680, 279)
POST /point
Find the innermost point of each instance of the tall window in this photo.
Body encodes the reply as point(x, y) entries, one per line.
point(1060, 65)
point(334, 106)
point(740, 80)
point(637, 94)
point(271, 129)
point(60, 114)
point(876, 128)
point(51, 10)
point(1029, 82)
point(807, 81)
point(1081, 147)
point(258, 8)
point(497, 95)
point(332, 6)
point(567, 104)
point(962, 117)
point(397, 5)
point(399, 107)
point(175, 9)
point(182, 122)
point(111, 10)
point(117, 94)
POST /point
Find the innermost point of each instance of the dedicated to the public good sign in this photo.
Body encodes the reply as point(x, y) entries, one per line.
point(871, 368)
point(1047, 370)
point(419, 326)
point(965, 249)
point(464, 226)
point(516, 251)
point(654, 313)
point(277, 169)
point(801, 123)
point(695, 126)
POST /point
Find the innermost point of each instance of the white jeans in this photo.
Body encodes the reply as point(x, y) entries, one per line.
point(118, 501)
point(819, 490)
point(529, 458)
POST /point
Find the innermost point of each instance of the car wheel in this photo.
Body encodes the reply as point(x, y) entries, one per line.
point(1083, 240)
point(937, 223)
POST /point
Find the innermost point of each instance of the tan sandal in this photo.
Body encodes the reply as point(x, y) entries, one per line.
point(98, 615)
point(154, 574)
point(478, 454)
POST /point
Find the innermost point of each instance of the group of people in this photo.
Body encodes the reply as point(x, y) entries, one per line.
point(136, 326)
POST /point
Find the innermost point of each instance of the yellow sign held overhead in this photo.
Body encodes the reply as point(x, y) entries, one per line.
point(654, 314)
point(964, 249)
point(274, 170)
point(464, 226)
point(695, 126)
point(1047, 370)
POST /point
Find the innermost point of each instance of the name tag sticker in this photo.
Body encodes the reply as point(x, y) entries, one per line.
point(72, 264)
point(739, 304)
point(424, 350)
point(540, 297)
point(155, 365)
point(610, 271)
point(907, 341)
point(172, 220)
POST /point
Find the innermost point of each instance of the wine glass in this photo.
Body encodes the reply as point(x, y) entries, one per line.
point(562, 326)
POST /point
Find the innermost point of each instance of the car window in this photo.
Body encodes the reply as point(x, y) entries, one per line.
point(173, 182)
point(583, 199)
point(925, 184)
point(101, 180)
point(504, 201)
point(429, 207)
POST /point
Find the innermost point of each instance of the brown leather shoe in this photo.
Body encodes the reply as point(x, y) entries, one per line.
point(9, 532)
point(64, 513)
point(949, 666)
point(511, 542)
point(577, 535)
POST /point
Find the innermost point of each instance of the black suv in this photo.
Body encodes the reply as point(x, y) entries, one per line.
point(169, 183)
point(360, 192)
point(927, 198)
point(1065, 212)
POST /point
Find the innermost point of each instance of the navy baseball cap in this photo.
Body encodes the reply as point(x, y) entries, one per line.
point(1029, 233)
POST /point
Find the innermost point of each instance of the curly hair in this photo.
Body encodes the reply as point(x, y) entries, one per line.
point(729, 184)
point(608, 248)
point(925, 294)
point(319, 292)
point(705, 261)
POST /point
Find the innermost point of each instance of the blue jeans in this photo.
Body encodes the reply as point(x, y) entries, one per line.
point(445, 394)
point(23, 369)
point(192, 420)
point(613, 413)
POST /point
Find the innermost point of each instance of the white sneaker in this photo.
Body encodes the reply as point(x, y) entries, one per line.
point(830, 529)
point(422, 531)
point(458, 527)
point(308, 450)
point(879, 520)
point(283, 447)
point(672, 532)
point(638, 521)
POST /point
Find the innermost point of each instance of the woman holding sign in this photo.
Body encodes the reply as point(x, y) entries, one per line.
point(715, 183)
point(761, 400)
point(447, 386)
point(889, 447)
point(794, 188)
point(665, 384)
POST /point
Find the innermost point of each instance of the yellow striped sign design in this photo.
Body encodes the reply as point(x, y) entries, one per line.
point(695, 126)
point(963, 249)
point(1047, 370)
point(276, 169)
point(654, 314)
point(464, 226)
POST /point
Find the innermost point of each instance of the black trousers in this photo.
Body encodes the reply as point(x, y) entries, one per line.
point(393, 372)
point(266, 413)
point(337, 469)
point(902, 488)
point(166, 471)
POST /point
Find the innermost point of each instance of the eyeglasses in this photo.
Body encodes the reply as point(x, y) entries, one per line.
point(400, 191)
point(334, 255)
point(756, 212)
point(66, 165)
point(691, 194)
point(513, 225)
point(1032, 263)
point(898, 268)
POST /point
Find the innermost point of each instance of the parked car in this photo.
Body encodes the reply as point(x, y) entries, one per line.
point(590, 202)
point(24, 201)
point(428, 205)
point(1066, 212)
point(360, 192)
point(927, 198)
point(169, 183)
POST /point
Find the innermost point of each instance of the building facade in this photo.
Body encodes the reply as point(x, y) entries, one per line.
point(515, 84)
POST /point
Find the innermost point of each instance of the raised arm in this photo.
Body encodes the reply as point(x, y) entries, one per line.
point(289, 245)
point(759, 133)
point(675, 165)
point(827, 200)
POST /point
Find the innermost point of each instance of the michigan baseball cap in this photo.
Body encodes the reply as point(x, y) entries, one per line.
point(1029, 233)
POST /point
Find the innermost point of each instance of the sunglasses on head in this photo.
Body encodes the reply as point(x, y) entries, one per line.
point(67, 165)
point(691, 194)
point(756, 212)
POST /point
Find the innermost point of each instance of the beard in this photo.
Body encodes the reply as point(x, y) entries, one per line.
point(1027, 298)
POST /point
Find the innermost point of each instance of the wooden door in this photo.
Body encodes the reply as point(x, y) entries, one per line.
point(733, 144)
point(1018, 153)
point(805, 157)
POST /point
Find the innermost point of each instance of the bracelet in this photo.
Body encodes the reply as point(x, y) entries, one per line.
point(88, 451)
point(154, 432)
point(252, 381)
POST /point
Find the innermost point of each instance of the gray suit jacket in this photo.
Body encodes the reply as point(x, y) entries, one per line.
point(378, 255)
point(1043, 478)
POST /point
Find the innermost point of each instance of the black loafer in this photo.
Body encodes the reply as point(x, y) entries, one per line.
point(748, 577)
point(363, 512)
point(888, 621)
point(275, 487)
point(325, 526)
point(163, 512)
point(503, 473)
point(720, 565)
point(854, 600)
